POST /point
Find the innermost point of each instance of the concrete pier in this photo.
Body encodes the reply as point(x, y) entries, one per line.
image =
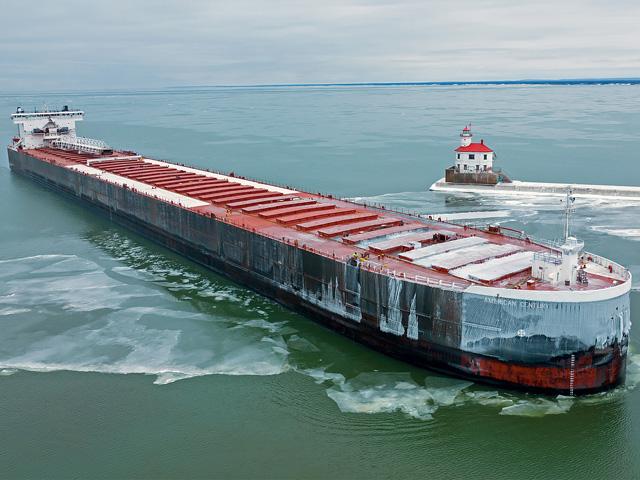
point(543, 189)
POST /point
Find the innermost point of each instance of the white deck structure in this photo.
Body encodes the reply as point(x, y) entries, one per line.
point(495, 269)
point(464, 256)
point(429, 250)
point(55, 129)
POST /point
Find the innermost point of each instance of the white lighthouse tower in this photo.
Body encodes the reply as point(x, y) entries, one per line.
point(465, 137)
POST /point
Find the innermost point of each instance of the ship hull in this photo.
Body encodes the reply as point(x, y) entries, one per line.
point(431, 327)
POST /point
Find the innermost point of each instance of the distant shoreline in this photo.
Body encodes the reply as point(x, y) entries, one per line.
point(570, 81)
point(542, 82)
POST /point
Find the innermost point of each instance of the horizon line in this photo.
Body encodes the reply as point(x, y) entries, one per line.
point(563, 81)
point(532, 81)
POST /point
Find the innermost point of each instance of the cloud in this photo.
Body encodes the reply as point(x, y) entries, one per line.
point(85, 45)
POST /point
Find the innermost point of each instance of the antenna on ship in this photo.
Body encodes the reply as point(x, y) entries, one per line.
point(568, 210)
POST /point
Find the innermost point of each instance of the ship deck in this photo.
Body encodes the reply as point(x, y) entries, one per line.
point(424, 250)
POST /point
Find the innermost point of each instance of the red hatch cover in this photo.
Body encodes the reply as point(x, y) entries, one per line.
point(314, 215)
point(338, 220)
point(280, 212)
point(273, 206)
point(357, 227)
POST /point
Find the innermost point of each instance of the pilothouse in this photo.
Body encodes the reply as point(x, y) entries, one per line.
point(55, 129)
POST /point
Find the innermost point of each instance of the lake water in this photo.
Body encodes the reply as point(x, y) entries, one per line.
point(121, 359)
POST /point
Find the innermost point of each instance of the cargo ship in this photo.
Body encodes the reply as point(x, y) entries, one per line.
point(487, 304)
point(473, 171)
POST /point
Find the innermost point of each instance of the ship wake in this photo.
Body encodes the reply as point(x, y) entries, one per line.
point(64, 312)
point(379, 392)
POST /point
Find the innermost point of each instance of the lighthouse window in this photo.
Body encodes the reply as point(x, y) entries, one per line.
point(471, 156)
point(485, 156)
point(458, 156)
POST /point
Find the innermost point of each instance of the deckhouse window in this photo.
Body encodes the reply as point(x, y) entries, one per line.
point(485, 156)
point(472, 156)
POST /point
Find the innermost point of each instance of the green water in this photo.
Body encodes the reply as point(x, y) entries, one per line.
point(121, 359)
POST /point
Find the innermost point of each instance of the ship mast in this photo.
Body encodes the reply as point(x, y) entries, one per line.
point(568, 210)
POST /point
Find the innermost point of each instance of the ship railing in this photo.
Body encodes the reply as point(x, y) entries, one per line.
point(613, 267)
point(416, 278)
point(439, 282)
point(424, 280)
point(555, 244)
point(516, 234)
point(83, 144)
point(548, 257)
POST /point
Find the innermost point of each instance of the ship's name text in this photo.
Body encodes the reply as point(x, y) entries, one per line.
point(524, 304)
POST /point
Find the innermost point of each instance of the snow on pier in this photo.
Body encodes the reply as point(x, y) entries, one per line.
point(541, 189)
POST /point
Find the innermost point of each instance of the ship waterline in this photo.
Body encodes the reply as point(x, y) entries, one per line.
point(439, 295)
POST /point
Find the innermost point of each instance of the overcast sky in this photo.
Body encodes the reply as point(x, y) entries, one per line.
point(118, 44)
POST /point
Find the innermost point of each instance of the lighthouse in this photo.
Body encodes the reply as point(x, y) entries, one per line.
point(473, 157)
point(473, 163)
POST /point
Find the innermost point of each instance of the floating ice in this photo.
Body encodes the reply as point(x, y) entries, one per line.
point(320, 375)
point(377, 392)
point(539, 407)
point(488, 398)
point(13, 311)
point(90, 317)
point(296, 342)
point(269, 326)
point(633, 371)
point(629, 233)
point(392, 392)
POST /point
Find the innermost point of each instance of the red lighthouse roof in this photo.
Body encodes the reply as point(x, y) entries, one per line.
point(474, 148)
